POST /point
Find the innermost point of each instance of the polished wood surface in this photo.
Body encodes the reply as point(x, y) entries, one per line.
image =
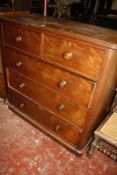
point(43, 96)
point(67, 69)
point(96, 35)
point(43, 73)
point(23, 39)
point(47, 119)
point(7, 13)
point(80, 57)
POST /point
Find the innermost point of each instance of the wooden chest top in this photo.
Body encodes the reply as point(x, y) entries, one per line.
point(101, 36)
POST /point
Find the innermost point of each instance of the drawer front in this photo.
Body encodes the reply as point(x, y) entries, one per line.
point(77, 56)
point(63, 82)
point(41, 116)
point(22, 38)
point(47, 98)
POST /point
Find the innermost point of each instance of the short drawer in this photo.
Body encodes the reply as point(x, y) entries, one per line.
point(61, 81)
point(22, 38)
point(45, 118)
point(58, 104)
point(76, 56)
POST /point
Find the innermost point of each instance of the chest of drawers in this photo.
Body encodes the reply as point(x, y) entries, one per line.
point(61, 81)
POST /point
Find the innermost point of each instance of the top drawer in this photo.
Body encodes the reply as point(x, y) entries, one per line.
point(21, 38)
point(76, 56)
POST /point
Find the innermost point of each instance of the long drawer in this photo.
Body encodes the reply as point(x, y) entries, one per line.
point(45, 118)
point(47, 98)
point(77, 56)
point(63, 82)
point(22, 38)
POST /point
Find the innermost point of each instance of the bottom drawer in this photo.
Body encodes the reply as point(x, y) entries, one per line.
point(59, 127)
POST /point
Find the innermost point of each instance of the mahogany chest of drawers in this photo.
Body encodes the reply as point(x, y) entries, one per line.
point(60, 76)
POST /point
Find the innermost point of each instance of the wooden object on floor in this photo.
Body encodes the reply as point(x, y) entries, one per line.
point(60, 75)
point(105, 137)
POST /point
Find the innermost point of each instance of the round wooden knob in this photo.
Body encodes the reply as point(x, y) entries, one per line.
point(62, 84)
point(18, 64)
point(22, 85)
point(22, 105)
point(67, 55)
point(57, 127)
point(60, 107)
point(18, 39)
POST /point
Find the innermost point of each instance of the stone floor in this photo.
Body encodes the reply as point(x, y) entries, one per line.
point(24, 150)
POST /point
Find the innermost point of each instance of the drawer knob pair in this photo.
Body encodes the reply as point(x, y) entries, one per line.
point(62, 84)
point(18, 64)
point(18, 39)
point(68, 55)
